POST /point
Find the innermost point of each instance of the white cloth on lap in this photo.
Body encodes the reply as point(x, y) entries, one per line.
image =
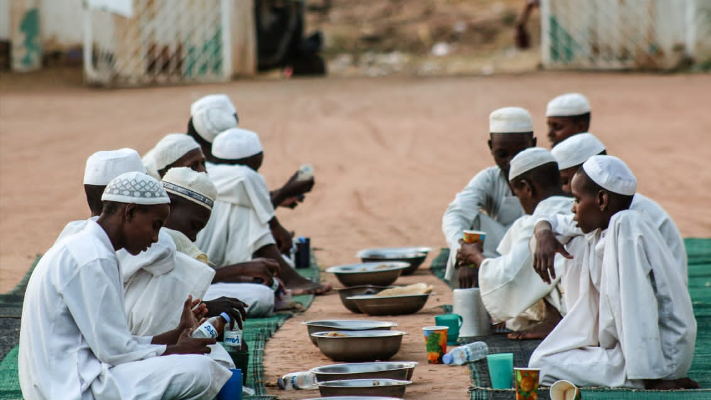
point(260, 298)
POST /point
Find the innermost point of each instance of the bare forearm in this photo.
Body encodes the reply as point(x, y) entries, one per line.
point(168, 338)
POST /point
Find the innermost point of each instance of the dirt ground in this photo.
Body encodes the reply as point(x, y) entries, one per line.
point(389, 156)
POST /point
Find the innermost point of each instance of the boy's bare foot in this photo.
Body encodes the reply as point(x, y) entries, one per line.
point(674, 384)
point(541, 329)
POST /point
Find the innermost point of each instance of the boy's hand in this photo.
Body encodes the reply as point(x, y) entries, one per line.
point(469, 254)
point(468, 277)
point(546, 248)
point(189, 345)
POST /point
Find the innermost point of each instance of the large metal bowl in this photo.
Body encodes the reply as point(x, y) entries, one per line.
point(390, 305)
point(346, 325)
point(355, 346)
point(381, 273)
point(355, 291)
point(352, 398)
point(414, 256)
point(371, 370)
point(364, 387)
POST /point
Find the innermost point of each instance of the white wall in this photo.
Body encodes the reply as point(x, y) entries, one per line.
point(4, 19)
point(60, 24)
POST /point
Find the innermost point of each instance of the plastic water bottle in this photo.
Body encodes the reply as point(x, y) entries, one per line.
point(306, 172)
point(467, 353)
point(212, 327)
point(298, 380)
point(232, 340)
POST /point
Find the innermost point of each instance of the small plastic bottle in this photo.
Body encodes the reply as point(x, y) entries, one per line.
point(298, 380)
point(306, 172)
point(232, 339)
point(467, 353)
point(212, 327)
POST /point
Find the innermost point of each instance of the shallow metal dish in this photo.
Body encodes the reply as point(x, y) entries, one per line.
point(371, 370)
point(352, 398)
point(344, 293)
point(364, 387)
point(346, 325)
point(414, 256)
point(390, 305)
point(369, 273)
point(356, 346)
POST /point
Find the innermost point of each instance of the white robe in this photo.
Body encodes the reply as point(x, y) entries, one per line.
point(565, 226)
point(75, 342)
point(633, 319)
point(509, 285)
point(239, 224)
point(485, 204)
point(73, 228)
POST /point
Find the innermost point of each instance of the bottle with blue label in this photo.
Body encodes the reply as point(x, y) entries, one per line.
point(232, 340)
point(212, 327)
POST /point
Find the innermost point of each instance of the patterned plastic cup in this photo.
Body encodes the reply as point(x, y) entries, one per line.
point(526, 383)
point(474, 237)
point(435, 343)
point(564, 390)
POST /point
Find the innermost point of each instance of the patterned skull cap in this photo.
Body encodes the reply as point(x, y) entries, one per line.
point(135, 188)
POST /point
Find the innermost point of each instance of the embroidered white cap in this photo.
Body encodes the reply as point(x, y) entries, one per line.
point(135, 188)
point(191, 185)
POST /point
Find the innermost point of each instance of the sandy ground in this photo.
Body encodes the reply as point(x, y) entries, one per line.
point(389, 156)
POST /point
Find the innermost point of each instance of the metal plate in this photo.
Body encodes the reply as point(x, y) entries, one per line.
point(415, 256)
point(369, 273)
point(364, 387)
point(345, 325)
point(354, 346)
point(390, 305)
point(372, 370)
point(344, 293)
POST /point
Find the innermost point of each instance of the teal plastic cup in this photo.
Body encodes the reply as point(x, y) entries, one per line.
point(501, 370)
point(453, 322)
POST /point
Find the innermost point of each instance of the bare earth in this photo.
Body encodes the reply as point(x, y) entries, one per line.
point(389, 156)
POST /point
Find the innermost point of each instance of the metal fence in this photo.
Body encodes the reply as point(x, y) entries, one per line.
point(625, 34)
point(162, 42)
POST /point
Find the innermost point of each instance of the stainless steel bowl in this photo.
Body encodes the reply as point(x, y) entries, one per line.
point(355, 346)
point(381, 273)
point(353, 398)
point(390, 305)
point(414, 256)
point(355, 291)
point(371, 370)
point(346, 325)
point(364, 387)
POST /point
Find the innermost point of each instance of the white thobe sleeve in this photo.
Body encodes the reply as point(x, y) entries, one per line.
point(463, 210)
point(94, 298)
point(509, 285)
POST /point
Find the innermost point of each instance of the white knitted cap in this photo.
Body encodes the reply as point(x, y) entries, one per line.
point(103, 166)
point(171, 148)
point(192, 185)
point(510, 120)
point(568, 105)
point(235, 144)
point(209, 122)
point(611, 174)
point(529, 159)
point(576, 149)
point(135, 188)
point(220, 101)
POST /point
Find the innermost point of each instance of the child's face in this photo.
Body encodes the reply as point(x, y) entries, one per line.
point(561, 128)
point(504, 146)
point(586, 206)
point(566, 178)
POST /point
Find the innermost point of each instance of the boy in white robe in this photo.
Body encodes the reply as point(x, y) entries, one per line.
point(510, 289)
point(571, 154)
point(74, 340)
point(192, 196)
point(243, 222)
point(487, 203)
point(633, 323)
point(567, 115)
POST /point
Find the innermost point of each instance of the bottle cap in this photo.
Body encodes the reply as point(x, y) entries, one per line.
point(280, 384)
point(225, 316)
point(447, 359)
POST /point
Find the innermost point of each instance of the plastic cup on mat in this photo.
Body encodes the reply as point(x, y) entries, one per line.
point(526, 383)
point(500, 370)
point(233, 387)
point(564, 390)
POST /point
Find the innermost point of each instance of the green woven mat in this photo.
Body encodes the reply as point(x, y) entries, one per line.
point(699, 254)
point(257, 332)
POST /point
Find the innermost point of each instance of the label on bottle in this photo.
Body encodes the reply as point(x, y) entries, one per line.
point(233, 340)
point(205, 330)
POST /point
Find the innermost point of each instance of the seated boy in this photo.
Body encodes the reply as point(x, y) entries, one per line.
point(632, 324)
point(509, 286)
point(567, 115)
point(487, 203)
